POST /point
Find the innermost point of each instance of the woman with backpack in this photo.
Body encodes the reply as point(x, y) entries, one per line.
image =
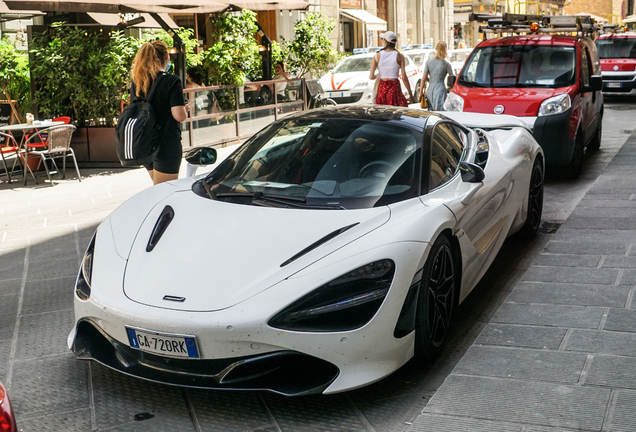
point(150, 64)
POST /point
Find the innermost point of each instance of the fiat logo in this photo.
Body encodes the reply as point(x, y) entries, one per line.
point(499, 109)
point(615, 68)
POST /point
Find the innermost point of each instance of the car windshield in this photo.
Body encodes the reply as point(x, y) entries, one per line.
point(360, 64)
point(458, 56)
point(520, 66)
point(616, 48)
point(330, 164)
point(417, 58)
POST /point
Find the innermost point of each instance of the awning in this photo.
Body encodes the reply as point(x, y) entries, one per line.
point(5, 10)
point(372, 21)
point(114, 19)
point(630, 19)
point(159, 6)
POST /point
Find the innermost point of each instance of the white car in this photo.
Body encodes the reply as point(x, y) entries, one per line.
point(419, 57)
point(349, 83)
point(457, 58)
point(322, 255)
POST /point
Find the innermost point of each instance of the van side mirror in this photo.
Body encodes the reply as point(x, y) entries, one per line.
point(471, 173)
point(450, 81)
point(596, 83)
point(201, 156)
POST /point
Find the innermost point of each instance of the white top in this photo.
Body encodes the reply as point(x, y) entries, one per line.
point(388, 65)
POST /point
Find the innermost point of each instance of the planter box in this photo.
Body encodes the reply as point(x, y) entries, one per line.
point(95, 147)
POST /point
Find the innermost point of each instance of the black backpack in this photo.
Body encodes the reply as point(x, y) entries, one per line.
point(136, 131)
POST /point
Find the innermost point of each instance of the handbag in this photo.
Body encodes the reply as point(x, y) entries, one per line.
point(374, 93)
point(423, 101)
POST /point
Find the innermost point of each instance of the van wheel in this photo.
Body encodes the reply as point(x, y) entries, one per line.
point(416, 93)
point(595, 144)
point(573, 170)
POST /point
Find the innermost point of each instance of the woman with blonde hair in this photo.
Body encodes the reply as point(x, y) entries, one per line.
point(150, 65)
point(436, 70)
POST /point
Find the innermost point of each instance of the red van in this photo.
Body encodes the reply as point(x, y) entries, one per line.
point(551, 82)
point(618, 62)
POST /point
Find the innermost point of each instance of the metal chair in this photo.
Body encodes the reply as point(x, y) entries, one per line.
point(58, 146)
point(10, 148)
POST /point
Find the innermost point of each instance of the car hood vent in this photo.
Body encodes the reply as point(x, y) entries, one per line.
point(166, 216)
point(314, 245)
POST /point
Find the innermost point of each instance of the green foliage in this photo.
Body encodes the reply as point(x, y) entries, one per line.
point(81, 73)
point(235, 55)
point(310, 50)
point(14, 76)
point(187, 36)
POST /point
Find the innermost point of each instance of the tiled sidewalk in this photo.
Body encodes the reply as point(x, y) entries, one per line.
point(560, 353)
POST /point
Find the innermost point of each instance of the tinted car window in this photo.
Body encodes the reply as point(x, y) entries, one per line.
point(585, 67)
point(520, 66)
point(330, 163)
point(446, 153)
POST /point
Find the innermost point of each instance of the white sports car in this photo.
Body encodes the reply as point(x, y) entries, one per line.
point(349, 83)
point(323, 254)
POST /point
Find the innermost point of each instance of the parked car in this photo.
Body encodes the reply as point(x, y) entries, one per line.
point(552, 82)
point(7, 419)
point(349, 83)
point(419, 57)
point(457, 58)
point(617, 52)
point(323, 254)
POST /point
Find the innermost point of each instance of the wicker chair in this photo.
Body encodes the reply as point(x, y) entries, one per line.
point(58, 145)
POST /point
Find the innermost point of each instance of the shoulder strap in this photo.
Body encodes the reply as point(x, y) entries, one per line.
point(151, 93)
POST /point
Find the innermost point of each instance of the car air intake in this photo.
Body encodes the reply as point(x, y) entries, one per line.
point(166, 216)
point(314, 245)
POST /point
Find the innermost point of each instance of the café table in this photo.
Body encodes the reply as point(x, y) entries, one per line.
point(26, 127)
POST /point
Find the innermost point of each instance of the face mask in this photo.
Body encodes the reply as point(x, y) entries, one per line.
point(168, 66)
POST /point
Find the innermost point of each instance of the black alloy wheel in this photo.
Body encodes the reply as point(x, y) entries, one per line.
point(436, 300)
point(535, 201)
point(573, 170)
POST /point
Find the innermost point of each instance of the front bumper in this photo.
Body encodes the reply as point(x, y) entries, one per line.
point(619, 83)
point(284, 372)
point(552, 134)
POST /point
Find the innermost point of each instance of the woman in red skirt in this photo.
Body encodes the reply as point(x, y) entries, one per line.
point(389, 62)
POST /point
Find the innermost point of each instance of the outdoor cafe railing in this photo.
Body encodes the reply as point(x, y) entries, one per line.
point(224, 115)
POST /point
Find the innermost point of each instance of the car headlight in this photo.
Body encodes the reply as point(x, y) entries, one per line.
point(346, 303)
point(362, 84)
point(555, 105)
point(454, 102)
point(83, 284)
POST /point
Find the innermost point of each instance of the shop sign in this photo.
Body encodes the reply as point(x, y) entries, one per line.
point(351, 4)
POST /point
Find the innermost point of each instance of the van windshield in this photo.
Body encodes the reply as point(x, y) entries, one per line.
point(360, 64)
point(520, 66)
point(616, 48)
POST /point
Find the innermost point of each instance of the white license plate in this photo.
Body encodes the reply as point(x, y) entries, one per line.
point(166, 344)
point(614, 85)
point(338, 94)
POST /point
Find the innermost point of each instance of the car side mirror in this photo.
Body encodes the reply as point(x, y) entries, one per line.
point(471, 173)
point(450, 81)
point(596, 83)
point(201, 156)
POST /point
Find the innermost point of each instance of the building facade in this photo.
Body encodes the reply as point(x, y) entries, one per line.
point(614, 11)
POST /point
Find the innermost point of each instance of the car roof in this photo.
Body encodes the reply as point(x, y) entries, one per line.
point(617, 36)
point(532, 40)
point(411, 117)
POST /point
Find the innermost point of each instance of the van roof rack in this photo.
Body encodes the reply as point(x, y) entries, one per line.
point(583, 25)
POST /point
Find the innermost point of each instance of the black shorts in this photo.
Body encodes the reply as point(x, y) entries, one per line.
point(168, 160)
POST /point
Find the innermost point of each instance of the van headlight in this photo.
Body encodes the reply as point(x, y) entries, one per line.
point(555, 105)
point(83, 284)
point(454, 102)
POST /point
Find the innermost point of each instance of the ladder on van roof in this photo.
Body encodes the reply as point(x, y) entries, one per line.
point(527, 24)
